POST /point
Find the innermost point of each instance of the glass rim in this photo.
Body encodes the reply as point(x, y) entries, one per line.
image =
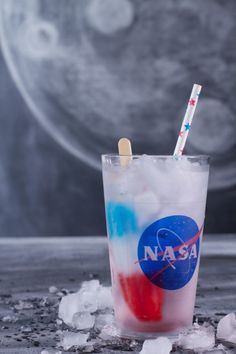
point(199, 157)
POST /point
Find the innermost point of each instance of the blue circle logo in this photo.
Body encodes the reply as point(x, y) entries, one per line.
point(168, 251)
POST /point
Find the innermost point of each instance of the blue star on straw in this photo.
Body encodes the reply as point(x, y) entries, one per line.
point(187, 126)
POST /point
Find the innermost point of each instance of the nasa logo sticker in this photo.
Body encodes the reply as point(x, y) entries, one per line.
point(168, 251)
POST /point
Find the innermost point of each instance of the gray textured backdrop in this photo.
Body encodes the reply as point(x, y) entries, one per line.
point(92, 71)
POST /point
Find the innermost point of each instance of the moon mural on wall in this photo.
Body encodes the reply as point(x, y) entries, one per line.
point(95, 70)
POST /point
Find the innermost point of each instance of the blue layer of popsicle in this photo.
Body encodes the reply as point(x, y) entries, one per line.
point(121, 220)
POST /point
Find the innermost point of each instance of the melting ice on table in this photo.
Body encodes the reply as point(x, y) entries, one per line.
point(76, 310)
point(198, 337)
point(226, 328)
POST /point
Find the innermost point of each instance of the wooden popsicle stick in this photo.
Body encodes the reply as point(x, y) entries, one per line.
point(125, 151)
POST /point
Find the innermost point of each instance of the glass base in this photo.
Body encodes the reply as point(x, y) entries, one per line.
point(114, 331)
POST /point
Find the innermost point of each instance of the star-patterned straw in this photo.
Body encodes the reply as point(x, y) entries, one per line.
point(187, 121)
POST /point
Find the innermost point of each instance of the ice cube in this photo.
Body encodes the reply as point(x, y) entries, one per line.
point(89, 348)
point(60, 294)
point(104, 298)
point(53, 289)
point(91, 297)
point(220, 349)
point(71, 339)
point(214, 351)
point(26, 329)
point(10, 319)
point(23, 305)
point(44, 302)
point(109, 332)
point(82, 301)
point(91, 285)
point(83, 320)
point(50, 352)
point(103, 320)
point(226, 328)
point(198, 337)
point(68, 306)
point(161, 345)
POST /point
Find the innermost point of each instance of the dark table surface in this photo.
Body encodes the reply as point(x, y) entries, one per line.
point(28, 267)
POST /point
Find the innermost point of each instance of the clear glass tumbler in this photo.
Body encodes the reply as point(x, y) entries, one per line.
point(155, 209)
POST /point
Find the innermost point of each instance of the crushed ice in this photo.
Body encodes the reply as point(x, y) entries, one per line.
point(78, 312)
point(83, 320)
point(102, 320)
point(10, 319)
point(88, 314)
point(24, 305)
point(198, 337)
point(91, 297)
point(161, 345)
point(50, 352)
point(71, 339)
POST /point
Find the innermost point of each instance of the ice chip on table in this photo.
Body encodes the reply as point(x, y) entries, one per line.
point(83, 320)
point(103, 320)
point(226, 328)
point(90, 285)
point(26, 329)
point(10, 319)
point(53, 289)
point(104, 298)
point(214, 351)
point(110, 333)
point(101, 294)
point(71, 339)
point(69, 305)
point(24, 305)
point(74, 303)
point(161, 345)
point(91, 297)
point(197, 338)
point(121, 219)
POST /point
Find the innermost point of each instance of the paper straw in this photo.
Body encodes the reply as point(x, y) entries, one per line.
point(187, 121)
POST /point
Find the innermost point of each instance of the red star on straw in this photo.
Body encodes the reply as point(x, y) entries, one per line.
point(181, 134)
point(192, 102)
